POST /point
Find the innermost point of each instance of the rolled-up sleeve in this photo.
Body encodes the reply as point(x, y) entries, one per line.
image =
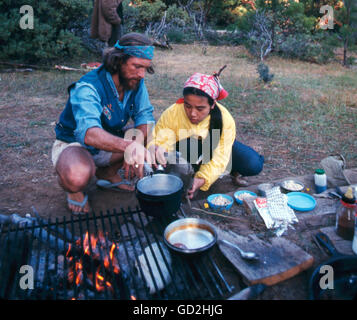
point(86, 109)
point(143, 108)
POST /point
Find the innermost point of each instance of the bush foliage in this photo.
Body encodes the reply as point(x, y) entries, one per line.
point(52, 36)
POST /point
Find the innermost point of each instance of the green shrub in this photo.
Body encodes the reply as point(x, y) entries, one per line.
point(137, 17)
point(178, 35)
point(307, 48)
point(177, 16)
point(263, 71)
point(52, 36)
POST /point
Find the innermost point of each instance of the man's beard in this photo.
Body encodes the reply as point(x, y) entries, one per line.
point(128, 84)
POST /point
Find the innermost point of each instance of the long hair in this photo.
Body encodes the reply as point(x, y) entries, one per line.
point(216, 122)
point(113, 58)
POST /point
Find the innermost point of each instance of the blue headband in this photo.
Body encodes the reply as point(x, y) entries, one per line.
point(144, 52)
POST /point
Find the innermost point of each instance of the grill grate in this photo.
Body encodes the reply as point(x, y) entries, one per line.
point(105, 256)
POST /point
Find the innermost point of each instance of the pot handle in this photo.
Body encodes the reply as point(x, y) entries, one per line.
point(324, 240)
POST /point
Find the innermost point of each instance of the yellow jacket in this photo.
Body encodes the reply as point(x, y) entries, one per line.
point(174, 126)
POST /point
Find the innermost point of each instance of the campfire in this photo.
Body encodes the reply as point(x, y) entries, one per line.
point(124, 258)
point(101, 272)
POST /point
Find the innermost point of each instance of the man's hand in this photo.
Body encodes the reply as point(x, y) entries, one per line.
point(197, 183)
point(158, 155)
point(134, 157)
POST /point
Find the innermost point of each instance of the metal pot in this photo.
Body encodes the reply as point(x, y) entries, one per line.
point(190, 236)
point(159, 194)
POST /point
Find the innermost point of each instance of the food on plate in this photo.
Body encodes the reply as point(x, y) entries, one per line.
point(245, 195)
point(220, 201)
point(291, 185)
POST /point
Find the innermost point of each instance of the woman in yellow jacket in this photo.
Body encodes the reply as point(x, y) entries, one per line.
point(204, 132)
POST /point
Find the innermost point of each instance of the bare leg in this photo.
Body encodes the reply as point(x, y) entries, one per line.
point(75, 167)
point(110, 172)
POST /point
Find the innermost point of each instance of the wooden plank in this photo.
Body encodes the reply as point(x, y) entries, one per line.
point(279, 260)
point(342, 245)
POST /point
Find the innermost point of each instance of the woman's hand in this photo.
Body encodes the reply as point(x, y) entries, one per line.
point(197, 183)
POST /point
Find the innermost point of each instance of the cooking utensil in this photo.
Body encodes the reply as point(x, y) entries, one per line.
point(249, 293)
point(159, 194)
point(264, 187)
point(252, 256)
point(190, 236)
point(344, 274)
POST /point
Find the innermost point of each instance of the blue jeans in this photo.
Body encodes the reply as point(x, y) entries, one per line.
point(244, 160)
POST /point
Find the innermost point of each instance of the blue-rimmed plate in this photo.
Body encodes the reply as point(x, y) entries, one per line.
point(210, 200)
point(301, 201)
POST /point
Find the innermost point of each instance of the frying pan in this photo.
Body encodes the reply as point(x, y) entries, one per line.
point(190, 236)
point(344, 275)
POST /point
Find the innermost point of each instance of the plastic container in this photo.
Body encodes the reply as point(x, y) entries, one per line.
point(354, 241)
point(320, 180)
point(345, 216)
point(263, 188)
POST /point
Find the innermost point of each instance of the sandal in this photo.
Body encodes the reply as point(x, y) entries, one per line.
point(105, 184)
point(79, 204)
point(239, 181)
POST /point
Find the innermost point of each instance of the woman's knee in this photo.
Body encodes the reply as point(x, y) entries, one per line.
point(246, 161)
point(254, 166)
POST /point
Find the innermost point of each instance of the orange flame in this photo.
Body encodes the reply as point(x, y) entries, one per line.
point(92, 247)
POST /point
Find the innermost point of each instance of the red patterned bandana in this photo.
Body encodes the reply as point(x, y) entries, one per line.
point(208, 84)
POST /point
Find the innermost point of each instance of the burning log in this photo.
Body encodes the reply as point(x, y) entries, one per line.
point(95, 266)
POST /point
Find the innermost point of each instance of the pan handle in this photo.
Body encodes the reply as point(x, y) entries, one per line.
point(324, 240)
point(183, 212)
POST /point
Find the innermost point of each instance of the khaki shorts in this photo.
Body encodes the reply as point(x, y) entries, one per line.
point(102, 159)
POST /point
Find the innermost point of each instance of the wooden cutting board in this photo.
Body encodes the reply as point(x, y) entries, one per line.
point(279, 260)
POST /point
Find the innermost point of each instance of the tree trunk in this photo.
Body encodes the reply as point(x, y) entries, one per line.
point(345, 46)
point(273, 36)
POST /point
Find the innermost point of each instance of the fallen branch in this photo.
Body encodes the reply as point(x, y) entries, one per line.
point(65, 68)
point(16, 70)
point(19, 65)
point(23, 65)
point(220, 215)
point(161, 45)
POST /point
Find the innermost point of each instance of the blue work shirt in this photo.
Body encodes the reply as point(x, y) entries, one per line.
point(94, 102)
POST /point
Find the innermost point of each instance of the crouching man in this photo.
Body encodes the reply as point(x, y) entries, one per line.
point(89, 135)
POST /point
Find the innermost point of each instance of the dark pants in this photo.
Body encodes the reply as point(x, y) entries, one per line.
point(117, 32)
point(244, 159)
